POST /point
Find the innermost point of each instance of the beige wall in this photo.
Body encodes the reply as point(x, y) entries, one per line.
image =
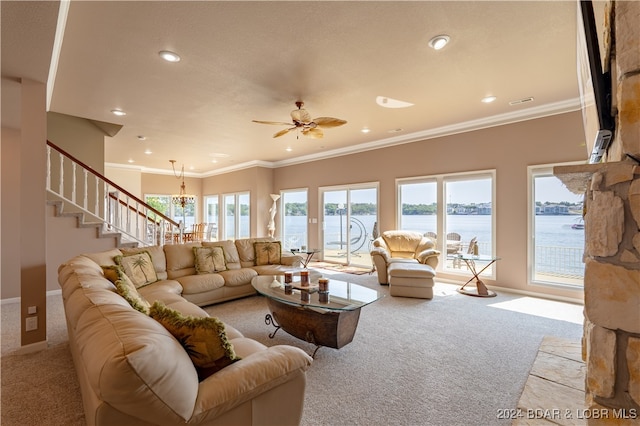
point(79, 137)
point(130, 179)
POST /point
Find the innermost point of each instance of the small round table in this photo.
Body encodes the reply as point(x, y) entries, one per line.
point(481, 290)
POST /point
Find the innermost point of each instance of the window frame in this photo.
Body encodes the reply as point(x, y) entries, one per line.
point(441, 214)
point(534, 171)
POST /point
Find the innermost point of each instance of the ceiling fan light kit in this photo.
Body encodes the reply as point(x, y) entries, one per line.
point(302, 122)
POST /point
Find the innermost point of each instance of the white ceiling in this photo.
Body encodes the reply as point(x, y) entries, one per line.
point(252, 60)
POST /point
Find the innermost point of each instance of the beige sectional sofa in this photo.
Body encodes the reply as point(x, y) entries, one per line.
point(133, 371)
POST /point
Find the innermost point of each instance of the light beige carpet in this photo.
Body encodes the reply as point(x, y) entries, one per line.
point(453, 360)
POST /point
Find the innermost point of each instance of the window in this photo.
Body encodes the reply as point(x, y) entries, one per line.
point(469, 215)
point(211, 217)
point(466, 214)
point(236, 220)
point(418, 206)
point(163, 204)
point(556, 231)
point(294, 219)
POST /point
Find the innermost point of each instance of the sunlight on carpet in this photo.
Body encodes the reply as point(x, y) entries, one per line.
point(544, 308)
point(341, 269)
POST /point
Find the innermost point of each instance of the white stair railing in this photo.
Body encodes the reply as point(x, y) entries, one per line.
point(106, 202)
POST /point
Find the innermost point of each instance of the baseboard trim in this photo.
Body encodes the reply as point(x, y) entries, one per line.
point(578, 301)
point(33, 347)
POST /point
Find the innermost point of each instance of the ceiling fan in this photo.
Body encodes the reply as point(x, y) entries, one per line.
point(302, 121)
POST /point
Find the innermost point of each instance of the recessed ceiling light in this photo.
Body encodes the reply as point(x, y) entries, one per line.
point(130, 160)
point(488, 99)
point(439, 41)
point(148, 152)
point(288, 149)
point(169, 56)
point(218, 155)
point(214, 161)
point(118, 112)
point(365, 130)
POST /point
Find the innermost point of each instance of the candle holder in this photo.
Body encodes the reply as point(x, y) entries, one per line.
point(323, 296)
point(323, 284)
point(288, 281)
point(304, 278)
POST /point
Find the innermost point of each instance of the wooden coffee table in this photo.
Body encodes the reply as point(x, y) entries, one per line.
point(332, 323)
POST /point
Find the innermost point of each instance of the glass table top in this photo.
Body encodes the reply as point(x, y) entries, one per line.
point(343, 296)
point(478, 257)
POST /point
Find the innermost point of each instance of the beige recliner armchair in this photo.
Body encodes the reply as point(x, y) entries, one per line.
point(402, 246)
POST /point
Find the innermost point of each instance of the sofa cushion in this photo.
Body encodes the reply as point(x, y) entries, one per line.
point(126, 289)
point(231, 256)
point(200, 283)
point(209, 260)
point(203, 338)
point(268, 253)
point(157, 256)
point(104, 257)
point(138, 267)
point(238, 277)
point(180, 259)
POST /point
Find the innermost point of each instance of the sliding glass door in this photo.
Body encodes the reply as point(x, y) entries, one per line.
point(350, 214)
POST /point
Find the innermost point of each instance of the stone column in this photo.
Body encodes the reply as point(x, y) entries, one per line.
point(611, 341)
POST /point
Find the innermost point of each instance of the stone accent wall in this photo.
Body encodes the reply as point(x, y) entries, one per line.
point(611, 341)
point(612, 288)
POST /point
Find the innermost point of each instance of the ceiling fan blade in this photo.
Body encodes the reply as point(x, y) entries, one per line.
point(328, 122)
point(314, 133)
point(278, 123)
point(300, 115)
point(283, 132)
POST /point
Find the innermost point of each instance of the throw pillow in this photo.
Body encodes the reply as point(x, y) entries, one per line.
point(126, 289)
point(111, 272)
point(204, 338)
point(268, 253)
point(209, 260)
point(138, 267)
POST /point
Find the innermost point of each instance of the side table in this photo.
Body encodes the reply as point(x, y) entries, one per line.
point(310, 253)
point(481, 290)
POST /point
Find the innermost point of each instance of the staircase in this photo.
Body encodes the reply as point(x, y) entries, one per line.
point(75, 190)
point(64, 208)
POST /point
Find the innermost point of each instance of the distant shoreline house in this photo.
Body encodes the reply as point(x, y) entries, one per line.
point(553, 209)
point(471, 209)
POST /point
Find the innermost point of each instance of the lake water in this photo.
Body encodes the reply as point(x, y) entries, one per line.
point(550, 230)
point(558, 246)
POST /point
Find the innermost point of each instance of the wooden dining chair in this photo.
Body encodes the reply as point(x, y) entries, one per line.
point(197, 232)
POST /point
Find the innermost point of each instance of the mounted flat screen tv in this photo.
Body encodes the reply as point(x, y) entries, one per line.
point(594, 84)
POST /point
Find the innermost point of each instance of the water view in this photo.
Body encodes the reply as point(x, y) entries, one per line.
point(559, 246)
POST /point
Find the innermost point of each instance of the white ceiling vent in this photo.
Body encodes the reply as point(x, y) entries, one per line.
point(521, 101)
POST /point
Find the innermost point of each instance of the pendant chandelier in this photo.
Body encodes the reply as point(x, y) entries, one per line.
point(181, 199)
